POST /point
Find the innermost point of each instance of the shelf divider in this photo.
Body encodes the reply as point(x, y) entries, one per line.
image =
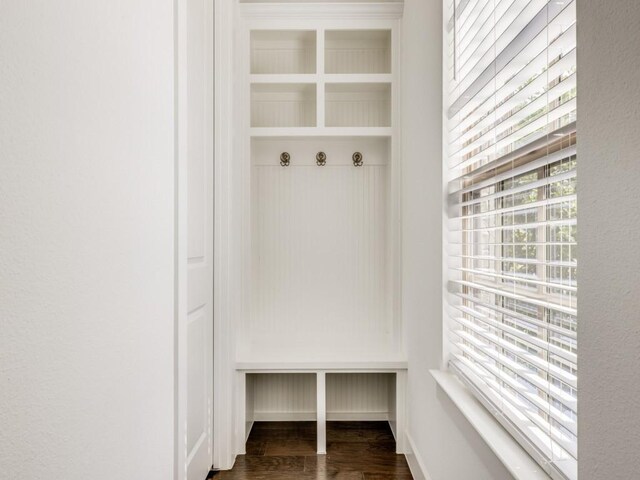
point(320, 104)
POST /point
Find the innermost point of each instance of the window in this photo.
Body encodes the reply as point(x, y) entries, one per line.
point(512, 209)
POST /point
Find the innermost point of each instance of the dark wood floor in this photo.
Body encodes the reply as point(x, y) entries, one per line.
point(287, 451)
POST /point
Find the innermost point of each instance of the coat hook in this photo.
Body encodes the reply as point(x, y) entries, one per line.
point(321, 159)
point(357, 159)
point(284, 159)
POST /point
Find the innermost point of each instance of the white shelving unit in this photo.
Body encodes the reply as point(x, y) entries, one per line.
point(320, 245)
point(320, 78)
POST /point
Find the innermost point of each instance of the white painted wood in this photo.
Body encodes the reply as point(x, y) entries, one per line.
point(359, 396)
point(292, 396)
point(228, 231)
point(319, 264)
point(194, 442)
point(181, 293)
point(358, 51)
point(283, 105)
point(358, 105)
point(283, 78)
point(319, 250)
point(325, 10)
point(322, 132)
point(515, 458)
point(372, 365)
point(358, 78)
point(321, 123)
point(399, 410)
point(278, 52)
point(321, 409)
point(244, 413)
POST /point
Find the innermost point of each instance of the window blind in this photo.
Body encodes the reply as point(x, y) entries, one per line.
point(512, 217)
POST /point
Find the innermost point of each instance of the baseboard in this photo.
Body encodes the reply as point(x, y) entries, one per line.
point(284, 416)
point(357, 416)
point(311, 416)
point(416, 464)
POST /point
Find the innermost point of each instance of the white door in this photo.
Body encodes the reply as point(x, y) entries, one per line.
point(195, 240)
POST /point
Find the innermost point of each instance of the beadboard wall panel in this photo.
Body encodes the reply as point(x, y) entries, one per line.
point(319, 257)
point(283, 396)
point(358, 52)
point(292, 396)
point(283, 105)
point(358, 105)
point(359, 396)
point(280, 52)
point(358, 60)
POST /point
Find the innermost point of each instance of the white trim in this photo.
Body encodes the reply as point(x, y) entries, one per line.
point(285, 417)
point(321, 131)
point(331, 417)
point(323, 10)
point(321, 405)
point(414, 460)
point(226, 300)
point(181, 457)
point(358, 417)
point(355, 366)
point(515, 459)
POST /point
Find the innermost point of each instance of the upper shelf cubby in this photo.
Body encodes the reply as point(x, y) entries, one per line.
point(283, 51)
point(283, 105)
point(357, 51)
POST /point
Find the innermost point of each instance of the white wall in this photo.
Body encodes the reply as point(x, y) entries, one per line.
point(447, 445)
point(86, 239)
point(608, 176)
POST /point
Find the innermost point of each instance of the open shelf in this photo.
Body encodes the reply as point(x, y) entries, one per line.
point(283, 51)
point(358, 105)
point(283, 105)
point(357, 51)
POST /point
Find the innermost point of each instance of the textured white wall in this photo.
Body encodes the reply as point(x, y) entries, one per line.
point(608, 175)
point(86, 239)
point(448, 446)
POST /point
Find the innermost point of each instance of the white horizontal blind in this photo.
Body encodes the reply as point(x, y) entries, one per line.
point(512, 217)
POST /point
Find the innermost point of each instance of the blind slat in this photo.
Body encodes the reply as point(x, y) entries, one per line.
point(512, 198)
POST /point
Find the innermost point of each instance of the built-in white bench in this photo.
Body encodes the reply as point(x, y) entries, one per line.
point(396, 414)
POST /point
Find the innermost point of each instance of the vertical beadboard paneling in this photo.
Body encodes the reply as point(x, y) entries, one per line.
point(320, 256)
point(282, 396)
point(292, 396)
point(358, 105)
point(274, 52)
point(358, 393)
point(365, 51)
point(320, 247)
point(358, 60)
point(283, 105)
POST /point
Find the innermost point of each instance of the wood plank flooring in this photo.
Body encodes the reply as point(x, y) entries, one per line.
point(287, 451)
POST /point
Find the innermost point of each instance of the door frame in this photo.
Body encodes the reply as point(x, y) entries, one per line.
point(220, 25)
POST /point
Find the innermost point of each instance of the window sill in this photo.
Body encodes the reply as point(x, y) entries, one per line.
point(516, 460)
